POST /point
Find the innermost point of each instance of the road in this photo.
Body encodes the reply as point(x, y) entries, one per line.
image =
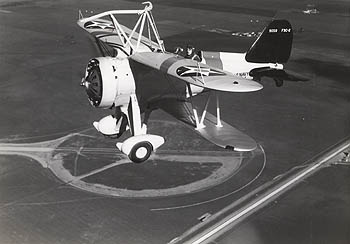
point(259, 198)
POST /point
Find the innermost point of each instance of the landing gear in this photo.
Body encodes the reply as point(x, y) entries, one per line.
point(140, 147)
point(141, 152)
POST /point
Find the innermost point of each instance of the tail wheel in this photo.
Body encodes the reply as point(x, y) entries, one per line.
point(141, 152)
point(279, 82)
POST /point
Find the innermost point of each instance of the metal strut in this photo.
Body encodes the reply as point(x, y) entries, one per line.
point(134, 117)
point(218, 117)
point(193, 108)
point(200, 120)
point(133, 39)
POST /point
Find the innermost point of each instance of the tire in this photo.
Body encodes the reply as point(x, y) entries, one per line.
point(141, 152)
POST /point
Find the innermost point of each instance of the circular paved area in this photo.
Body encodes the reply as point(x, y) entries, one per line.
point(90, 162)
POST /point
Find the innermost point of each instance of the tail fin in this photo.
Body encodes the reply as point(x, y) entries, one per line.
point(273, 45)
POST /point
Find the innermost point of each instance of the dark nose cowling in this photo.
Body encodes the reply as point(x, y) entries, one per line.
point(93, 83)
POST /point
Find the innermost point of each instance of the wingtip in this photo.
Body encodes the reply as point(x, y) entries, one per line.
point(258, 86)
point(119, 145)
point(95, 124)
point(246, 149)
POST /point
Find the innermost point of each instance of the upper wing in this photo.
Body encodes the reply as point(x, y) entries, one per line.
point(116, 35)
point(101, 29)
point(196, 73)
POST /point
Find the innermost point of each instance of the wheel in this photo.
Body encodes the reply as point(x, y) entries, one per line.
point(141, 152)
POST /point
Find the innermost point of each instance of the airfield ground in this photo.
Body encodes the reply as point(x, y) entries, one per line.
point(43, 56)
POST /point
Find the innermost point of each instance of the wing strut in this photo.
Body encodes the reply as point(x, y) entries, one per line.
point(200, 120)
point(218, 119)
point(194, 108)
point(130, 39)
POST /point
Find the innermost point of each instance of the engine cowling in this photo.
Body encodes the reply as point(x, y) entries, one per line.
point(108, 82)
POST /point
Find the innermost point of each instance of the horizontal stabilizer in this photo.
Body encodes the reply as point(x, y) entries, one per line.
point(279, 74)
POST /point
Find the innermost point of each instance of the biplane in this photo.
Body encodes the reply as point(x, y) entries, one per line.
point(137, 75)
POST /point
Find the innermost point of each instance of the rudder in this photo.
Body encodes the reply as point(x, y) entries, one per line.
point(273, 45)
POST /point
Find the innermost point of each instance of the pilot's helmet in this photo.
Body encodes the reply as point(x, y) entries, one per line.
point(189, 49)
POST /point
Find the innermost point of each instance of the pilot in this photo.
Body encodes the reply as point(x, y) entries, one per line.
point(190, 53)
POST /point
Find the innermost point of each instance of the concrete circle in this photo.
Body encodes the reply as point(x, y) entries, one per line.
point(88, 162)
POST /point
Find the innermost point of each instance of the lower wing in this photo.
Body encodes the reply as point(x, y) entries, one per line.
point(225, 136)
